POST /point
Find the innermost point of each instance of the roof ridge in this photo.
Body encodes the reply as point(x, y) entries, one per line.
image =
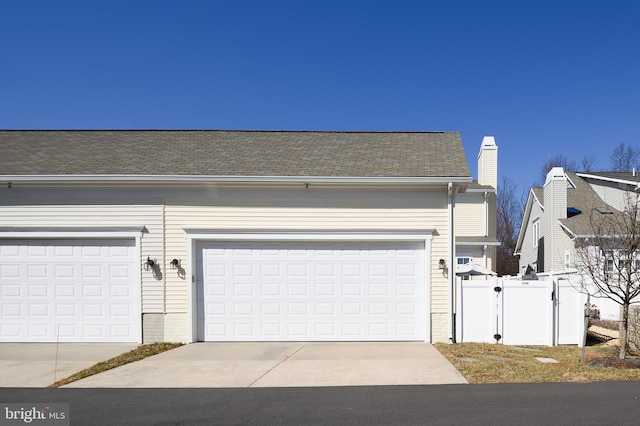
point(234, 130)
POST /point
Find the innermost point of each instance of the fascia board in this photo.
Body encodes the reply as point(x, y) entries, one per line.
point(479, 243)
point(608, 179)
point(536, 198)
point(481, 191)
point(566, 228)
point(232, 179)
point(525, 220)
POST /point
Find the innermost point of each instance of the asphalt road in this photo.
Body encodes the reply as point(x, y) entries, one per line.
point(610, 403)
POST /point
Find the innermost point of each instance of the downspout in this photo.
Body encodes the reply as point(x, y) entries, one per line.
point(486, 230)
point(486, 214)
point(450, 272)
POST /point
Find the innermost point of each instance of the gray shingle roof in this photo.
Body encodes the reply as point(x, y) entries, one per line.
point(232, 153)
point(477, 240)
point(584, 198)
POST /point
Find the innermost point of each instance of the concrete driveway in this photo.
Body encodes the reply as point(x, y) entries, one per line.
point(291, 364)
point(41, 364)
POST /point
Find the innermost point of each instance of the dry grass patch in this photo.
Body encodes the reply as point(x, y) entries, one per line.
point(519, 364)
point(141, 352)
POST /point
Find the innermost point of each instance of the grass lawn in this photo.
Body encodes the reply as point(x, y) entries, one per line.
point(491, 363)
point(142, 351)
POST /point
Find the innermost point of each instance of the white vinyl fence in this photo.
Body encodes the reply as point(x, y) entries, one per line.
point(516, 312)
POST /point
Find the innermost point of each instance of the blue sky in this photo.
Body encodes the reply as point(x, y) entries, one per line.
point(543, 77)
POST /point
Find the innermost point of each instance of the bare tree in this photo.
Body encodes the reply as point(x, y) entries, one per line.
point(589, 163)
point(557, 160)
point(624, 158)
point(609, 258)
point(510, 206)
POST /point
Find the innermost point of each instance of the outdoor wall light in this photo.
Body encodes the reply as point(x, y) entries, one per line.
point(150, 264)
point(442, 264)
point(176, 264)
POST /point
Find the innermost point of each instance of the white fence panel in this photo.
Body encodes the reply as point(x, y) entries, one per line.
point(569, 314)
point(477, 308)
point(527, 312)
point(537, 312)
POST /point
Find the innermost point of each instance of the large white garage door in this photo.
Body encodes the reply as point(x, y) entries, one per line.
point(316, 291)
point(71, 291)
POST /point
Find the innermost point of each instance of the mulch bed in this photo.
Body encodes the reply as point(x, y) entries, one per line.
point(614, 362)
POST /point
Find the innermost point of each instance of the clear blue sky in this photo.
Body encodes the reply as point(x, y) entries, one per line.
point(543, 77)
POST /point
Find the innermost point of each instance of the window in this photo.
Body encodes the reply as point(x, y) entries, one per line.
point(536, 232)
point(463, 260)
point(616, 261)
point(609, 264)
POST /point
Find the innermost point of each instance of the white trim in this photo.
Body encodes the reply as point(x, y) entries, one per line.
point(248, 179)
point(305, 235)
point(67, 235)
point(478, 243)
point(609, 179)
point(69, 232)
point(194, 236)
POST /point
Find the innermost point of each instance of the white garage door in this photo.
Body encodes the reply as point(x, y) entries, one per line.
point(73, 291)
point(316, 291)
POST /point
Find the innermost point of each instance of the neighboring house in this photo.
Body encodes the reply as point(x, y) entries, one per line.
point(557, 217)
point(558, 213)
point(142, 236)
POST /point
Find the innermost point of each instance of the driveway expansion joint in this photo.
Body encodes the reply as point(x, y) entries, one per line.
point(284, 358)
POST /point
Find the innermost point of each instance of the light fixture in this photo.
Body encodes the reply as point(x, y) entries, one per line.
point(442, 264)
point(177, 264)
point(150, 264)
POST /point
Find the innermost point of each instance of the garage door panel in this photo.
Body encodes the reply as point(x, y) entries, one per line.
point(311, 291)
point(69, 291)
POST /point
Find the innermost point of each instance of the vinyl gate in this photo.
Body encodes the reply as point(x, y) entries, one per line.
point(515, 312)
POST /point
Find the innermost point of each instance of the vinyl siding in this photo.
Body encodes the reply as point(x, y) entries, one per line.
point(232, 209)
point(319, 209)
point(85, 208)
point(611, 193)
point(529, 253)
point(556, 201)
point(470, 213)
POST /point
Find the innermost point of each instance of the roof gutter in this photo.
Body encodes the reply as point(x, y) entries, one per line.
point(230, 179)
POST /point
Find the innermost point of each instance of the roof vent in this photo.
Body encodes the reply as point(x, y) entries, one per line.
point(604, 210)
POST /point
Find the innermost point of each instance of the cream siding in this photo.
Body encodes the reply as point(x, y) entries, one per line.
point(164, 298)
point(488, 162)
point(318, 209)
point(79, 208)
point(470, 213)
